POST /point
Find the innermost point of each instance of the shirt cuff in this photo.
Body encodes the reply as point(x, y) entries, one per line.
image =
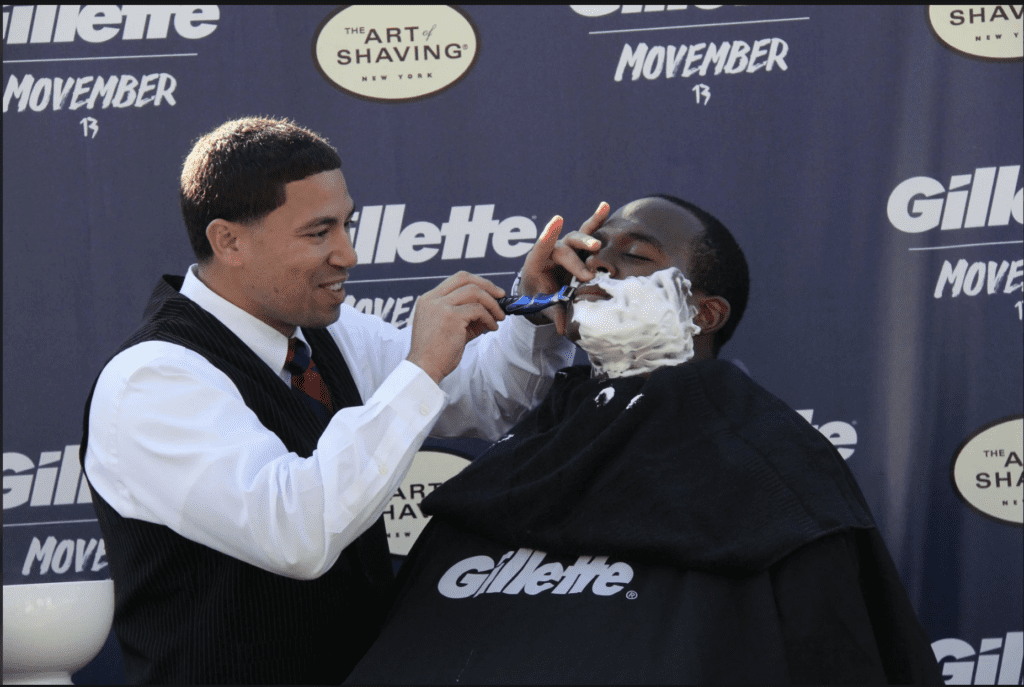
point(534, 336)
point(413, 393)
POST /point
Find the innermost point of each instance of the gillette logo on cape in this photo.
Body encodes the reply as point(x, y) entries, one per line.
point(524, 571)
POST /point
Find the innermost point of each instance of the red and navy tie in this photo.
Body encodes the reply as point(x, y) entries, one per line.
point(306, 379)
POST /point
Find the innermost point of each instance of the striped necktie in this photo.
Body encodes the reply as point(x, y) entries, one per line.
point(306, 379)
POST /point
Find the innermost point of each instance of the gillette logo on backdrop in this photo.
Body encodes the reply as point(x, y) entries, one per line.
point(996, 662)
point(50, 530)
point(39, 27)
point(985, 198)
point(843, 435)
point(55, 481)
point(470, 232)
point(100, 23)
point(982, 200)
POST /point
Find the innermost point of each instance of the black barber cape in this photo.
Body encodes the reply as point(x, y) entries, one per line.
point(688, 527)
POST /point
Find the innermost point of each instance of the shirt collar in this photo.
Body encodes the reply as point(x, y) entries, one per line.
point(266, 342)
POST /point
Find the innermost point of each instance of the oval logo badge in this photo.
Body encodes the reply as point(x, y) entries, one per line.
point(396, 53)
point(990, 32)
point(403, 518)
point(986, 470)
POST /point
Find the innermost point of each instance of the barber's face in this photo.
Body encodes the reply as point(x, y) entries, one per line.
point(300, 250)
point(637, 240)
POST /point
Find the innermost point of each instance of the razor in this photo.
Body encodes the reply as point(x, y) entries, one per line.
point(527, 305)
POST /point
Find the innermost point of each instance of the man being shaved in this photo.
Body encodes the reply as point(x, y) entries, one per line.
point(659, 518)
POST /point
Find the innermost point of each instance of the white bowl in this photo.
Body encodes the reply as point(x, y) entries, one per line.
point(52, 630)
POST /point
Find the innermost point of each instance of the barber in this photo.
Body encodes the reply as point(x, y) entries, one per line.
point(242, 444)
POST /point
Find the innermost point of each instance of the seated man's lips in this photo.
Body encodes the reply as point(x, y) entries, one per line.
point(591, 293)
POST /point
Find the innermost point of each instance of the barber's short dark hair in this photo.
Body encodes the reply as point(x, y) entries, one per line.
point(719, 267)
point(238, 172)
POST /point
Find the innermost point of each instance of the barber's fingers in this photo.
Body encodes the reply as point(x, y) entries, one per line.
point(478, 320)
point(443, 325)
point(475, 299)
point(462, 278)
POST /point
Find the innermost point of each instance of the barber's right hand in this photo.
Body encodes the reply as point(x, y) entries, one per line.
point(458, 310)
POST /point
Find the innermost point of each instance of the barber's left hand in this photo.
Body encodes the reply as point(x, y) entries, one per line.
point(552, 263)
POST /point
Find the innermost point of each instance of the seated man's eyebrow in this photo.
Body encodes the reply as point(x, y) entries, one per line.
point(638, 235)
point(646, 238)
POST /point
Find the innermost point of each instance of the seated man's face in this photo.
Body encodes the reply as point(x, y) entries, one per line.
point(639, 239)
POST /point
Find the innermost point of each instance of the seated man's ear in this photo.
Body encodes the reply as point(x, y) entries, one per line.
point(712, 313)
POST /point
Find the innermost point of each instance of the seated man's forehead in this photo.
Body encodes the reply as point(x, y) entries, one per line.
point(674, 224)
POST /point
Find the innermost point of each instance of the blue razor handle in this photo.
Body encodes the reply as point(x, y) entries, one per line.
point(527, 305)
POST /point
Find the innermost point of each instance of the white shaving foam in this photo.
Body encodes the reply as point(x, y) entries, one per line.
point(647, 323)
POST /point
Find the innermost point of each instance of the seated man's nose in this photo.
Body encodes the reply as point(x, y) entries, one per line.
point(596, 264)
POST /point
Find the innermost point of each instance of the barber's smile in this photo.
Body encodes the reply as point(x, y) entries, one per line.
point(334, 288)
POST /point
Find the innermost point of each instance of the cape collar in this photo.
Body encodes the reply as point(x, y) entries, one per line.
point(695, 466)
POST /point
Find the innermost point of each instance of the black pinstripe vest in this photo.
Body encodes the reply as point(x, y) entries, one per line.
point(185, 613)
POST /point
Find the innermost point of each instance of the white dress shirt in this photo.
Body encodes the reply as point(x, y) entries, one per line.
point(172, 442)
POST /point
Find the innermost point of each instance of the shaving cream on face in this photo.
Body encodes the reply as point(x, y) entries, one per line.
point(647, 323)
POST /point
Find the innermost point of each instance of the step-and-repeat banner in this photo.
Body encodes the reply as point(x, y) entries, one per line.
point(867, 158)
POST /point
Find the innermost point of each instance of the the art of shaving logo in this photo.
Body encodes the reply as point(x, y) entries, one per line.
point(987, 32)
point(996, 662)
point(403, 518)
point(395, 53)
point(987, 473)
point(525, 572)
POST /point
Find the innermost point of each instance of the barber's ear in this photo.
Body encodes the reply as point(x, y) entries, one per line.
point(712, 313)
point(226, 239)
